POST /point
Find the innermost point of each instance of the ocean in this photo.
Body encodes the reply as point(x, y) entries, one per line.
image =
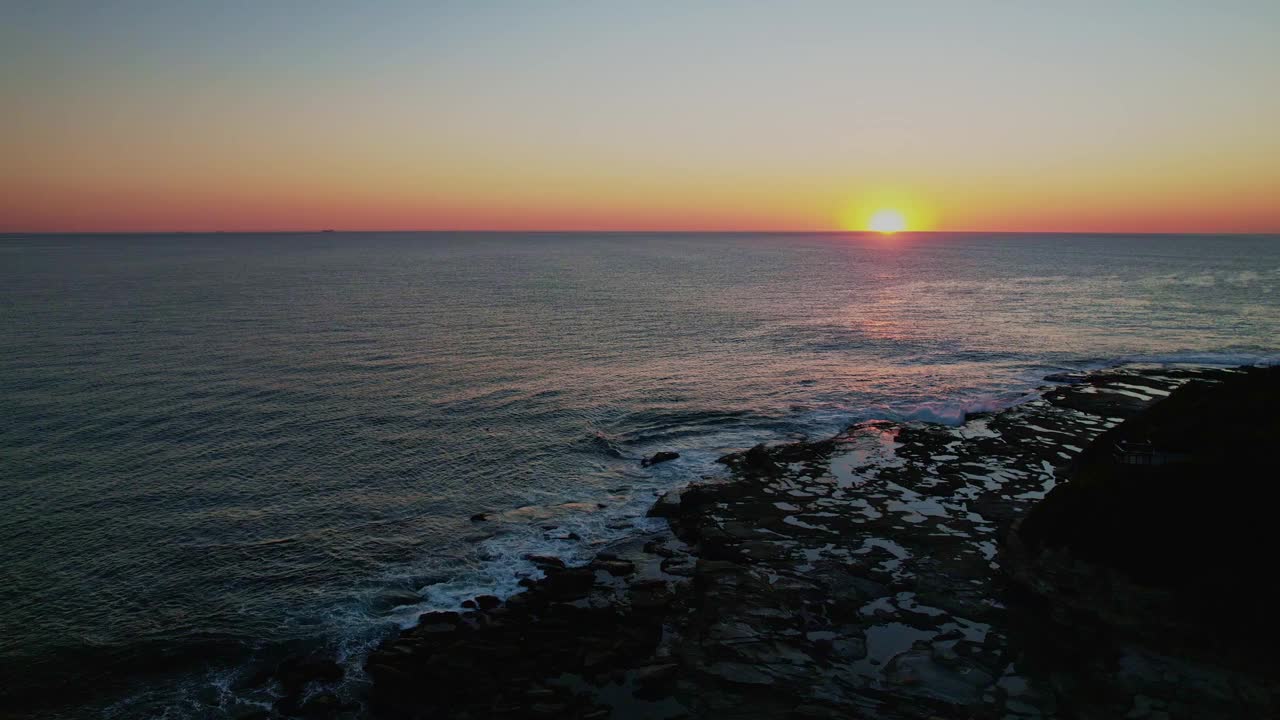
point(219, 450)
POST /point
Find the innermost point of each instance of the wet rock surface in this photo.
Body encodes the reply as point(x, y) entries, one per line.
point(661, 457)
point(1160, 526)
point(853, 577)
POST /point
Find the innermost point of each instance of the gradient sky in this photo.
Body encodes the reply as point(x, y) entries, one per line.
point(173, 115)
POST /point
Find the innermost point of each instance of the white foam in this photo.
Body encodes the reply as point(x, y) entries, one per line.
point(950, 413)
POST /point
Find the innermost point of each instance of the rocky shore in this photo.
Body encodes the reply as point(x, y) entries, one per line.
point(860, 576)
point(1165, 521)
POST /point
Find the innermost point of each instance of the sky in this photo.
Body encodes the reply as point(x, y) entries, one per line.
point(1125, 116)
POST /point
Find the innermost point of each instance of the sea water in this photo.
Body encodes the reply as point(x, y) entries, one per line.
point(220, 449)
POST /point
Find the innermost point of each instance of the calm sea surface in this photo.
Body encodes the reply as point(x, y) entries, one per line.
point(215, 449)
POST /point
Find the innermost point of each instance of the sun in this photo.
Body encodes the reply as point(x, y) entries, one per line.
point(886, 211)
point(887, 221)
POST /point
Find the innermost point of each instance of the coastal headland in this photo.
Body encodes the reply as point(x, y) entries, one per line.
point(902, 571)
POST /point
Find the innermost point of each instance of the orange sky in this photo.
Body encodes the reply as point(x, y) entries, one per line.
point(986, 117)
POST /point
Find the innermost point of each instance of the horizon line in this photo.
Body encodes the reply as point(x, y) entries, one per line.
point(527, 231)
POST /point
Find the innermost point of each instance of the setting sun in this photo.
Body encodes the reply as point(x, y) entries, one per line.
point(887, 221)
point(887, 210)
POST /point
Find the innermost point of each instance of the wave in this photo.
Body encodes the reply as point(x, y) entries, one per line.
point(602, 443)
point(955, 414)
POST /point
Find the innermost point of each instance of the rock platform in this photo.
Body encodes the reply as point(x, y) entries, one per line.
point(853, 577)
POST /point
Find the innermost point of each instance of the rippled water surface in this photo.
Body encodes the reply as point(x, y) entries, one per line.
point(215, 447)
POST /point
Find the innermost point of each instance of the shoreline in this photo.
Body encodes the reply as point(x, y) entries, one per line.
point(679, 621)
point(855, 572)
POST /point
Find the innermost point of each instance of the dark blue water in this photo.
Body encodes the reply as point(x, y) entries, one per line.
point(220, 447)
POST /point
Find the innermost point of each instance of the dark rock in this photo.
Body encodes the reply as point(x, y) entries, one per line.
point(487, 602)
point(1152, 547)
point(295, 673)
point(382, 672)
point(654, 547)
point(568, 584)
point(738, 673)
point(667, 505)
point(259, 678)
point(679, 566)
point(545, 562)
point(595, 658)
point(650, 595)
point(440, 616)
point(654, 674)
point(540, 693)
point(480, 517)
point(819, 712)
point(617, 568)
point(655, 681)
point(434, 623)
point(659, 458)
point(759, 461)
